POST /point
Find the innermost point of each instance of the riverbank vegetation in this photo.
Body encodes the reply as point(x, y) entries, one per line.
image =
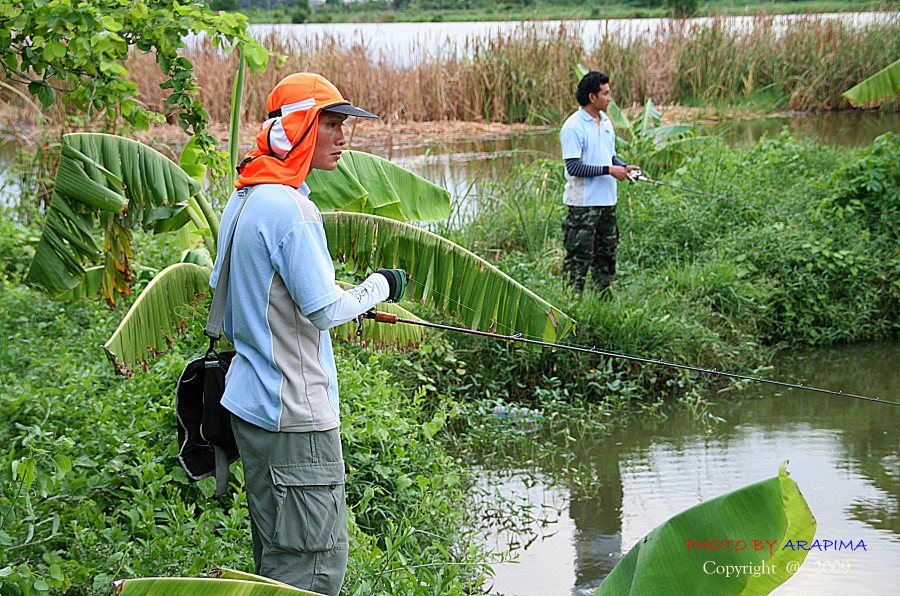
point(383, 11)
point(798, 247)
point(527, 74)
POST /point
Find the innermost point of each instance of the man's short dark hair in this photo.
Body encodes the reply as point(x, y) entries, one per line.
point(590, 83)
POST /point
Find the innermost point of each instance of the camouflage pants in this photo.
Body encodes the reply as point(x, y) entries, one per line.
point(590, 235)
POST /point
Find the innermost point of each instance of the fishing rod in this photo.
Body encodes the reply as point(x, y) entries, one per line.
point(638, 176)
point(392, 319)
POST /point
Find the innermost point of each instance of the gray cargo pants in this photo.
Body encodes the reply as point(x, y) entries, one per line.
point(298, 514)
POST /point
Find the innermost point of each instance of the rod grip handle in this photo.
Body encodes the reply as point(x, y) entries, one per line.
point(382, 317)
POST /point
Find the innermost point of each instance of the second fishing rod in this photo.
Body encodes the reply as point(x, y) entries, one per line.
point(392, 319)
point(638, 176)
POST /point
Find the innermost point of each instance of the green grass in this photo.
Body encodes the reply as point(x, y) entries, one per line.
point(91, 491)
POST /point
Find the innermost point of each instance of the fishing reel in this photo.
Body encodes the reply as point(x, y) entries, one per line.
point(634, 176)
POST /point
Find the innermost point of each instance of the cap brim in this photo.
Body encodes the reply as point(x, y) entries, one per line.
point(349, 110)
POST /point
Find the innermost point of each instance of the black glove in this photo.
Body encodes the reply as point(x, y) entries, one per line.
point(397, 282)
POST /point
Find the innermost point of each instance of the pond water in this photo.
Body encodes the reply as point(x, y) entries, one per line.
point(843, 453)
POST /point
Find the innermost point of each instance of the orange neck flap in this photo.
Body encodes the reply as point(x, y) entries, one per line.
point(284, 151)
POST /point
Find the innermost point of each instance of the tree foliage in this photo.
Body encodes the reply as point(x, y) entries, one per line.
point(75, 51)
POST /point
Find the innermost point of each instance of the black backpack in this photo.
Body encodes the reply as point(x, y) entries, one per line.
point(205, 439)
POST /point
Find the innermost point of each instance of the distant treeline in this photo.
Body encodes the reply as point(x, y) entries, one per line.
point(465, 4)
point(325, 11)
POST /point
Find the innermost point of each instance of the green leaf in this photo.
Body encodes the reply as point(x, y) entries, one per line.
point(257, 56)
point(670, 152)
point(190, 162)
point(99, 174)
point(157, 316)
point(88, 287)
point(167, 219)
point(882, 86)
point(54, 50)
point(197, 256)
point(25, 470)
point(619, 120)
point(647, 120)
point(364, 183)
point(202, 586)
point(237, 100)
point(672, 131)
point(45, 93)
point(444, 276)
point(224, 573)
point(662, 563)
point(110, 23)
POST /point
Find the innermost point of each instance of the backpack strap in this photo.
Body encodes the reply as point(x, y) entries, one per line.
point(217, 308)
point(214, 331)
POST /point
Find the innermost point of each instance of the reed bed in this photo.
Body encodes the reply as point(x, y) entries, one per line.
point(528, 74)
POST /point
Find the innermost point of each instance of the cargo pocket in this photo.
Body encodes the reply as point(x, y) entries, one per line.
point(308, 502)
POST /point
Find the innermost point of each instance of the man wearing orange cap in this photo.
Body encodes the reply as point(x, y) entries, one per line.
point(282, 298)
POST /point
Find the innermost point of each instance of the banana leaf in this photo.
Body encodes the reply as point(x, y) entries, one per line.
point(108, 183)
point(662, 563)
point(667, 131)
point(225, 573)
point(190, 160)
point(381, 335)
point(444, 276)
point(670, 153)
point(645, 125)
point(162, 310)
point(204, 586)
point(157, 316)
point(882, 86)
point(88, 287)
point(365, 183)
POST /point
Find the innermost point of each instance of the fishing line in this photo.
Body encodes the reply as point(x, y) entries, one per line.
point(391, 319)
point(451, 300)
point(639, 176)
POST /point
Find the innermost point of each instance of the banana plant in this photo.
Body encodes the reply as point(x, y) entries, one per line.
point(673, 559)
point(654, 145)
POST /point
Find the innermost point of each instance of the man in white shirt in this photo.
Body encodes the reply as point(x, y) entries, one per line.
point(590, 231)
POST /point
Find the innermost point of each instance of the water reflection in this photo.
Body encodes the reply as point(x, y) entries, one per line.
point(844, 129)
point(843, 454)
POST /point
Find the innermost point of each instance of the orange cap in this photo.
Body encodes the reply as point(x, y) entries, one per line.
point(286, 141)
